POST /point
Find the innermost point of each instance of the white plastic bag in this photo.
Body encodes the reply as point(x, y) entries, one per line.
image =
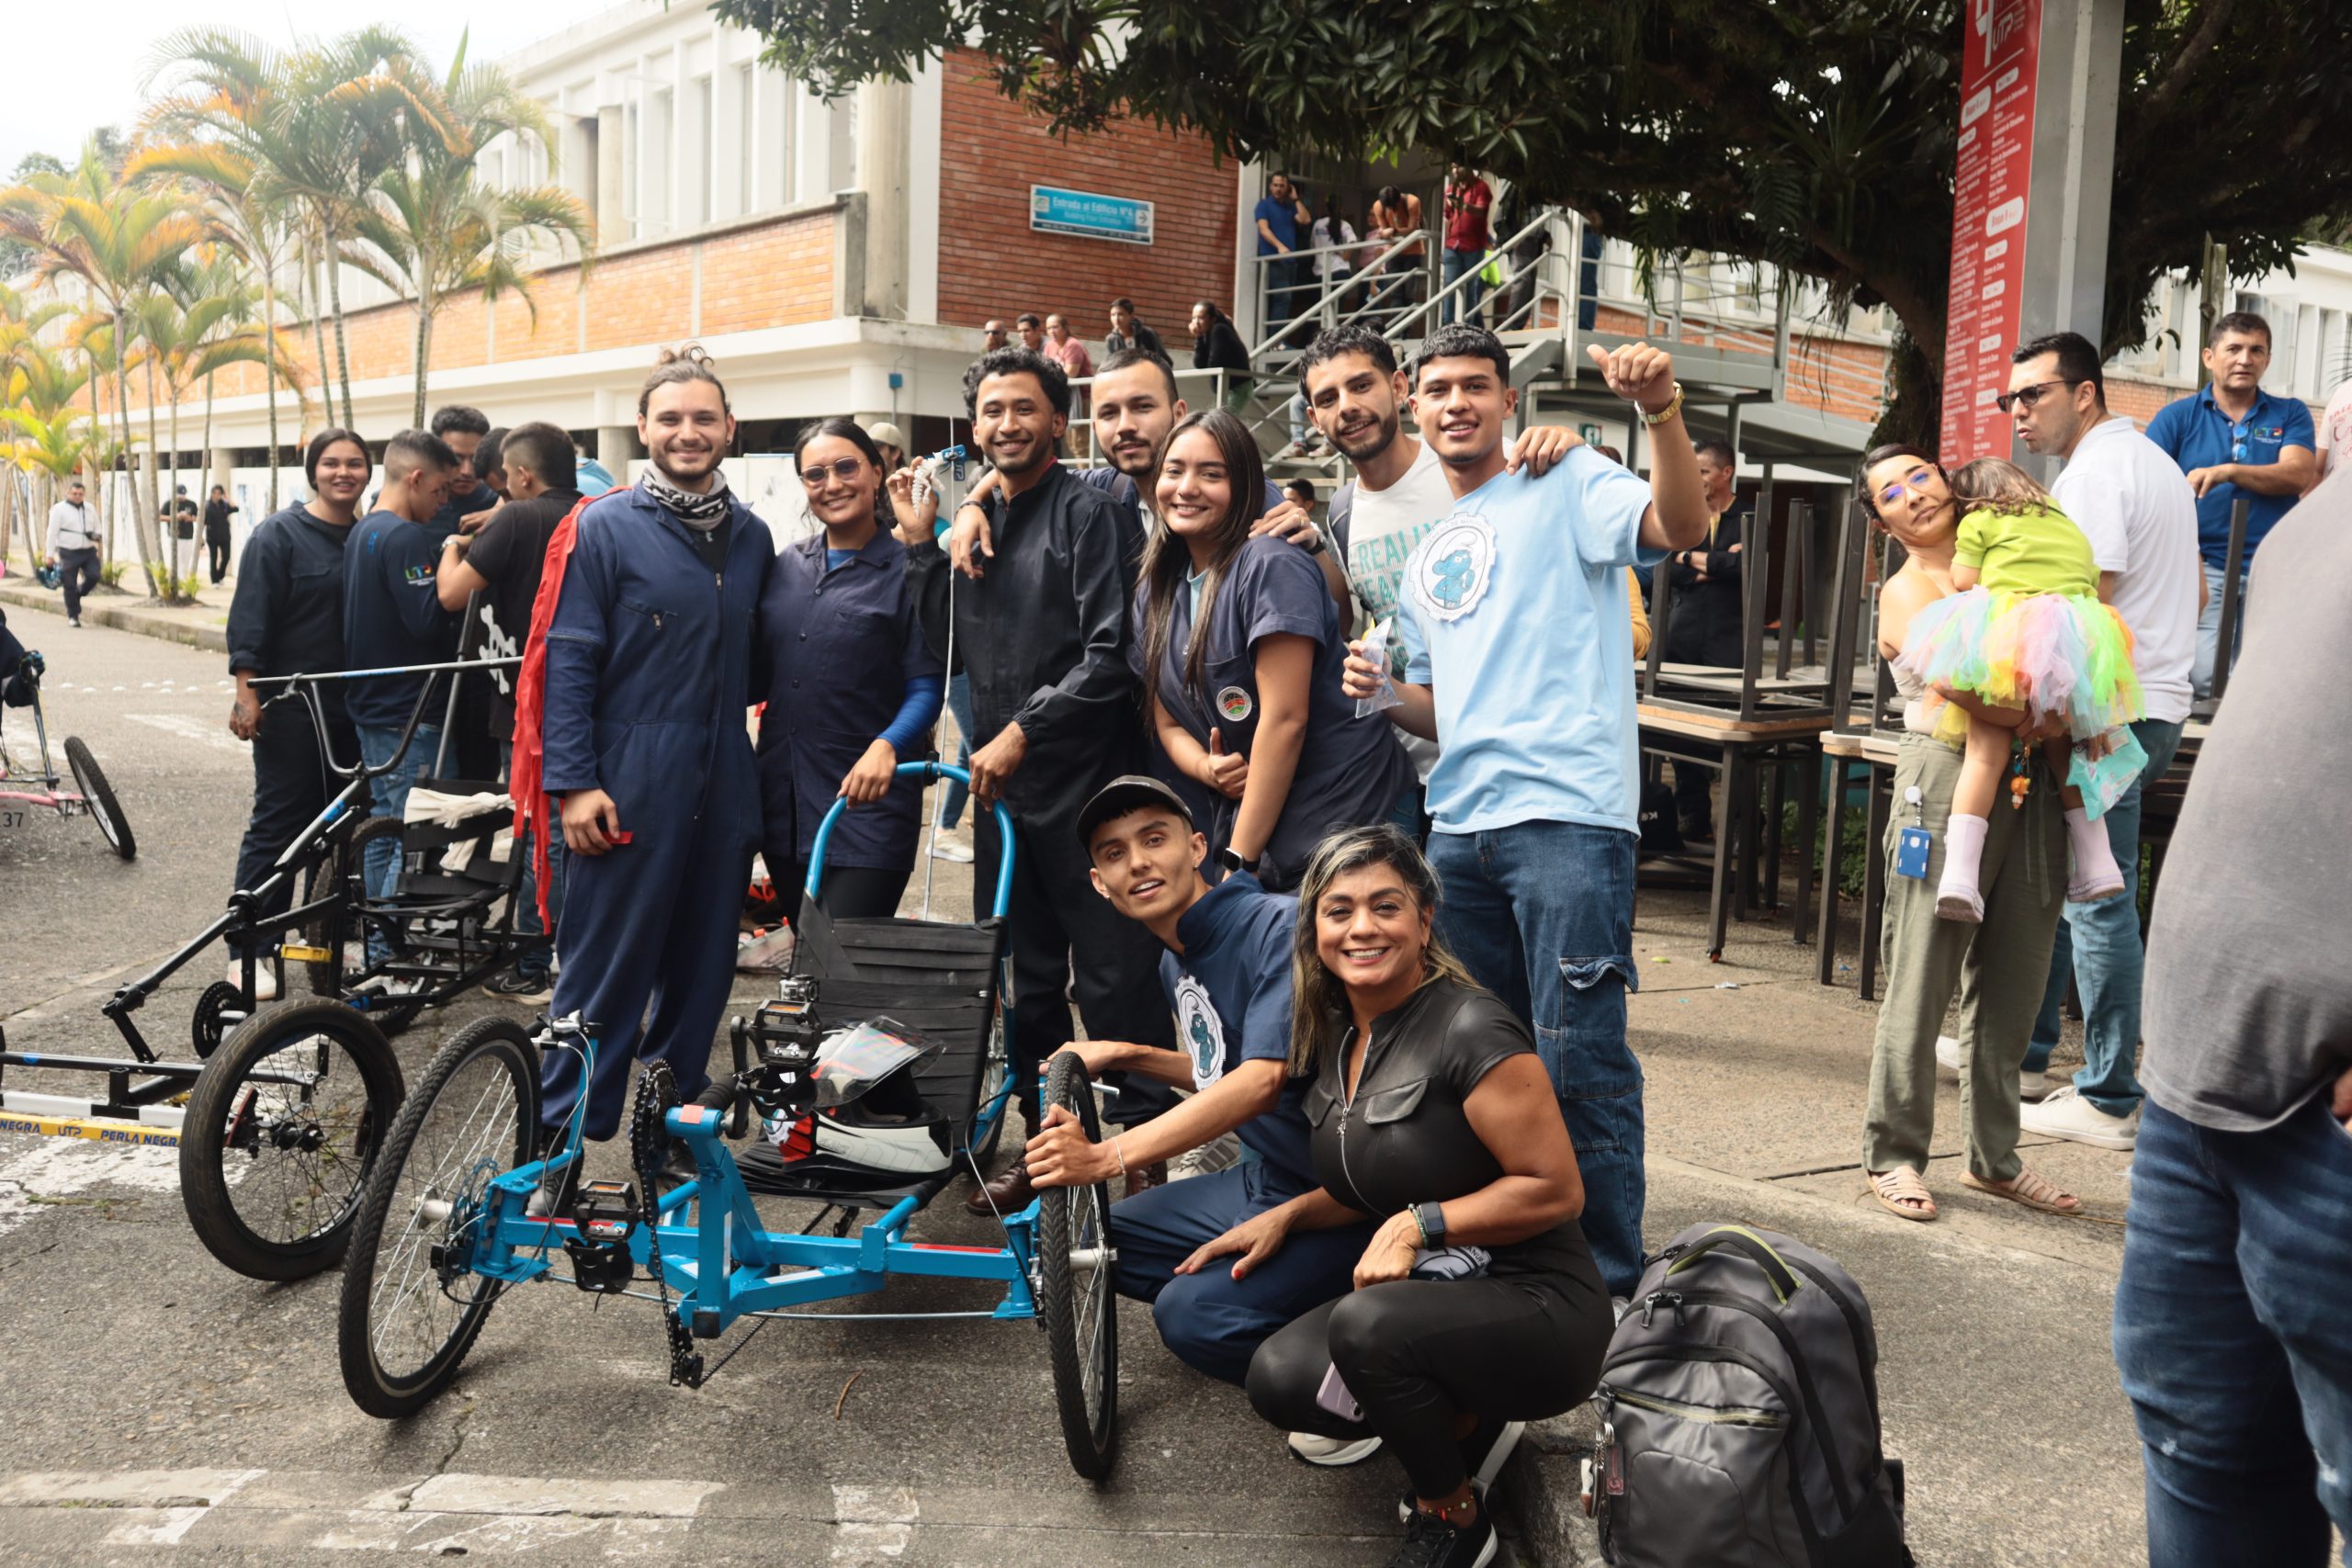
point(1376, 647)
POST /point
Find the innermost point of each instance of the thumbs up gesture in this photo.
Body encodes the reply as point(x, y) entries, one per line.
point(1223, 771)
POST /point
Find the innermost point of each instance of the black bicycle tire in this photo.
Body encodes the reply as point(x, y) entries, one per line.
point(330, 928)
point(91, 780)
point(1091, 1437)
point(204, 1152)
point(363, 1378)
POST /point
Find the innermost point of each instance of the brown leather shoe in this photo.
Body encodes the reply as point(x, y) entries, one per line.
point(1144, 1177)
point(1009, 1193)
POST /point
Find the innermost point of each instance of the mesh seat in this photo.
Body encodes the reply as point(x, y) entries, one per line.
point(940, 979)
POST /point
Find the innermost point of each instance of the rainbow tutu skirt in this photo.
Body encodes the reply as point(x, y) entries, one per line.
point(2045, 653)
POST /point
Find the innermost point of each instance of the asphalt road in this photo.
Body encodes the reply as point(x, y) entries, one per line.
point(155, 1400)
point(160, 1408)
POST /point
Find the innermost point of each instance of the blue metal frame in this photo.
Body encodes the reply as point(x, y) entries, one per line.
point(714, 1252)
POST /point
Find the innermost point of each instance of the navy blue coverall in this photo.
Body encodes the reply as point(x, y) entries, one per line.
point(647, 678)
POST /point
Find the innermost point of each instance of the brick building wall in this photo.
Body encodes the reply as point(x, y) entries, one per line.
point(991, 264)
point(770, 274)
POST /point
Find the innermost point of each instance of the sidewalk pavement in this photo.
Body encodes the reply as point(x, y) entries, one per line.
point(204, 624)
point(1996, 1387)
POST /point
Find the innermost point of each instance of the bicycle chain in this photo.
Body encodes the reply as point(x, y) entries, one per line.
point(649, 1141)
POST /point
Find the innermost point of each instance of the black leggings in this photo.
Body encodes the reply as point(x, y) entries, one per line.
point(850, 892)
point(1418, 1353)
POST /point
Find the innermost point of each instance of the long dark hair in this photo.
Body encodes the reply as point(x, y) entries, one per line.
point(848, 430)
point(1168, 560)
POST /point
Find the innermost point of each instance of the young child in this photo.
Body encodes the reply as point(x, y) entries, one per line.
point(2028, 638)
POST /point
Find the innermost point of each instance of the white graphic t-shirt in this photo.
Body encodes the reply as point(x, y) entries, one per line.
point(1384, 528)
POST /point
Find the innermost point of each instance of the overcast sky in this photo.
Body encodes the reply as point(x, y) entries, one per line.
point(75, 67)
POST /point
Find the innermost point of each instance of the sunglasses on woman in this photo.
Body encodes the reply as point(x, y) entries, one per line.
point(846, 470)
point(1916, 481)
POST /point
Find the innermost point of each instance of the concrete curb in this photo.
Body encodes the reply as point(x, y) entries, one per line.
point(120, 618)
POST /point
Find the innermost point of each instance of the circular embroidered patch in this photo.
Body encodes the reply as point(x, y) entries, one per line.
point(1235, 703)
point(1198, 1032)
point(1454, 566)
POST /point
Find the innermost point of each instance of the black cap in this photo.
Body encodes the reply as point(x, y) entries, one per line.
point(1129, 792)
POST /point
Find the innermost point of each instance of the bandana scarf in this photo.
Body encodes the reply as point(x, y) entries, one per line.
point(701, 510)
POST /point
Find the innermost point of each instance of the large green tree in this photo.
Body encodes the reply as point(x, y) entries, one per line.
point(1817, 135)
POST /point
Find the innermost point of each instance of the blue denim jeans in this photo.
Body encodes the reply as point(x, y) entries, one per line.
point(1465, 305)
point(2098, 944)
point(960, 703)
point(2209, 630)
point(382, 867)
point(1543, 914)
point(536, 961)
point(2232, 1341)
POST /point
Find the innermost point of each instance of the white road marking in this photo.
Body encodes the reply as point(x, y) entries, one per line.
point(875, 1522)
point(187, 727)
point(439, 1516)
point(176, 1522)
point(58, 1168)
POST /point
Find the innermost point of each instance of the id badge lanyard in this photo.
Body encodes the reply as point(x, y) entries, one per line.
point(1914, 843)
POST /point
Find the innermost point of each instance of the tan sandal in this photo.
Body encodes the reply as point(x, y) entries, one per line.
point(1901, 1192)
point(2029, 1187)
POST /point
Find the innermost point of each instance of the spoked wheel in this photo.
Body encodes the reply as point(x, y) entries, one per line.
point(91, 780)
point(992, 1079)
point(219, 1012)
point(273, 1172)
point(334, 871)
point(410, 1307)
point(1075, 1301)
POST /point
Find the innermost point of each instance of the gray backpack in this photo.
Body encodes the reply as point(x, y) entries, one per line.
point(1740, 1408)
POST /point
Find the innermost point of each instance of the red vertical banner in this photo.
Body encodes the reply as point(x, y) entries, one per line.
point(1998, 60)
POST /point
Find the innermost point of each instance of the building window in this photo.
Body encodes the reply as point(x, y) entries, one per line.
point(700, 153)
point(746, 136)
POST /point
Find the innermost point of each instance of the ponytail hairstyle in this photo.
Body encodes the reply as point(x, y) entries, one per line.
point(1168, 560)
point(1318, 997)
point(688, 362)
point(848, 430)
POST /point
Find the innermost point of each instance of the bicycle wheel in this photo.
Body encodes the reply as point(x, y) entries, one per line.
point(409, 1309)
point(992, 1077)
point(1076, 1305)
point(339, 871)
point(272, 1173)
point(104, 809)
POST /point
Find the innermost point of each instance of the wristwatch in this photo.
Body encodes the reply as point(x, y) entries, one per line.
point(1231, 859)
point(1430, 1218)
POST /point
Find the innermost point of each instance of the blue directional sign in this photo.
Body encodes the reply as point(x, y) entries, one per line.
point(1089, 215)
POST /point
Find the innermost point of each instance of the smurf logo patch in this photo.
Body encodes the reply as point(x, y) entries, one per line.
point(1199, 1033)
point(1453, 567)
point(1235, 703)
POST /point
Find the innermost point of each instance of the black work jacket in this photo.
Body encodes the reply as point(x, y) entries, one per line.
point(286, 617)
point(1042, 637)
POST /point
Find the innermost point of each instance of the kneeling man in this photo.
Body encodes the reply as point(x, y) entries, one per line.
point(1226, 975)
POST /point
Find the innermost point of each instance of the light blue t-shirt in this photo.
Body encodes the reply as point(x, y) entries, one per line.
point(1513, 608)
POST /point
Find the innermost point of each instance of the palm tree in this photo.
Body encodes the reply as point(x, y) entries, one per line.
point(118, 241)
point(328, 136)
point(214, 131)
point(43, 385)
point(49, 450)
point(432, 227)
point(21, 323)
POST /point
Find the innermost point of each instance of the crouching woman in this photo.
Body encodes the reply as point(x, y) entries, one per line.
point(1477, 1306)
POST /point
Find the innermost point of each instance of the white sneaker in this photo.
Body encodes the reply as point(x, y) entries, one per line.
point(2032, 1086)
point(2067, 1115)
point(1332, 1453)
point(952, 851)
point(1948, 1055)
point(264, 980)
point(1218, 1154)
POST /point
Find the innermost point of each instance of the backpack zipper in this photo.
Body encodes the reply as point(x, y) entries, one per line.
point(1708, 1415)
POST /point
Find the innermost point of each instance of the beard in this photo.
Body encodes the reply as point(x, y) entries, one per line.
point(1366, 443)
